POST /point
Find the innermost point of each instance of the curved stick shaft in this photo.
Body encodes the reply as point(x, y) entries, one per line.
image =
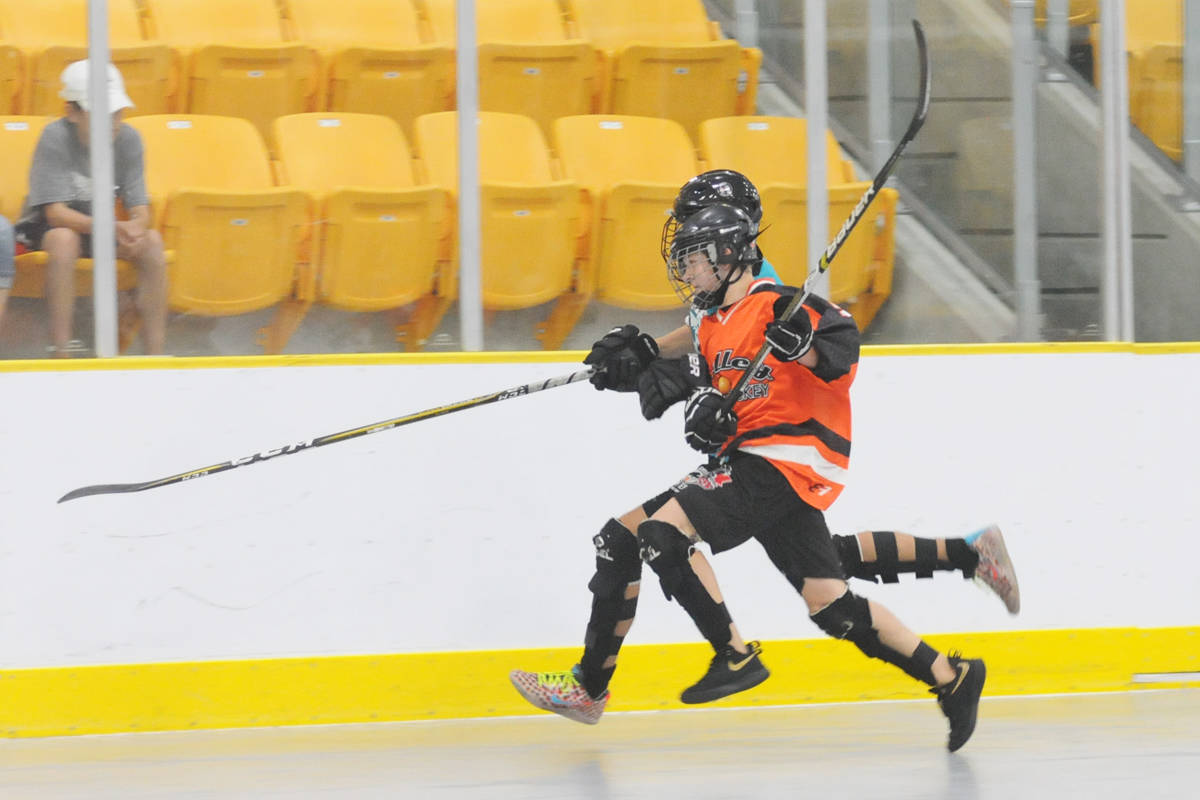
point(331, 438)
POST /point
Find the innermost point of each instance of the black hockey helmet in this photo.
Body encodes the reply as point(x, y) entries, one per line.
point(718, 186)
point(717, 236)
point(706, 189)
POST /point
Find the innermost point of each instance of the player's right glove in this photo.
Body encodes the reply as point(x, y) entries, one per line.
point(668, 380)
point(706, 423)
point(619, 358)
point(791, 338)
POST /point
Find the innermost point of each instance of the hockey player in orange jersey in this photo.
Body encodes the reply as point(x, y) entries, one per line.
point(779, 459)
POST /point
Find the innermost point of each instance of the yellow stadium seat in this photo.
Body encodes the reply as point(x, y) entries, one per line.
point(54, 33)
point(1156, 96)
point(10, 78)
point(382, 239)
point(374, 59)
point(665, 58)
point(18, 138)
point(527, 63)
point(235, 59)
point(632, 168)
point(1154, 46)
point(771, 152)
point(609, 24)
point(532, 238)
point(237, 238)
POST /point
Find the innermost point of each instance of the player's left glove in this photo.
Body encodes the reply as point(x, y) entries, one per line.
point(791, 338)
point(706, 424)
point(619, 358)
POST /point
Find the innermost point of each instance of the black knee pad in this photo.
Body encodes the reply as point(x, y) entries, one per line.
point(666, 550)
point(849, 618)
point(617, 560)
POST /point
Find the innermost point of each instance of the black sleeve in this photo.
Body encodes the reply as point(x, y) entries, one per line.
point(836, 339)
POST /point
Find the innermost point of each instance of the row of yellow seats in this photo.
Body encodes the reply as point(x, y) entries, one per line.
point(348, 216)
point(266, 58)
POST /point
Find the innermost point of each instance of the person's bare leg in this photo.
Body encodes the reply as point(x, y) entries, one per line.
point(62, 246)
point(151, 298)
point(893, 633)
point(704, 571)
point(673, 513)
point(819, 593)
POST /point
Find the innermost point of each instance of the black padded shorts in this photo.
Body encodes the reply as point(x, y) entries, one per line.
point(748, 498)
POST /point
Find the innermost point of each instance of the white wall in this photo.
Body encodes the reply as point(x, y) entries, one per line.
point(472, 531)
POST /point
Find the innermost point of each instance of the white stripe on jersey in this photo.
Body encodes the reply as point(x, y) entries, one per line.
point(805, 454)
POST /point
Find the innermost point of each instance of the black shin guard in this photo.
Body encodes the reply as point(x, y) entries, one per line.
point(887, 566)
point(617, 568)
point(667, 551)
point(849, 618)
point(962, 556)
point(711, 617)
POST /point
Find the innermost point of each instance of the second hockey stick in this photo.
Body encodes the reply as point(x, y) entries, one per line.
point(860, 208)
point(331, 438)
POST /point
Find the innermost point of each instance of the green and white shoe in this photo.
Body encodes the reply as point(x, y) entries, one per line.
point(560, 692)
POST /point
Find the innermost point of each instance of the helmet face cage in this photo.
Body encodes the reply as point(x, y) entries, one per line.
point(685, 255)
point(717, 236)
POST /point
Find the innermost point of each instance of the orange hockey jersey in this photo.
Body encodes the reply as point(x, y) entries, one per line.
point(795, 417)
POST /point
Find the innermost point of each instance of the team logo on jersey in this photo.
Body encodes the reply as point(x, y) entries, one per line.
point(708, 479)
point(725, 362)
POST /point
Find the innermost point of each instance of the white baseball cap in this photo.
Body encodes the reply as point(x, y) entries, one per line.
point(75, 87)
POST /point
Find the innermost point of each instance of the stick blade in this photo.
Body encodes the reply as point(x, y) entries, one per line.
point(104, 488)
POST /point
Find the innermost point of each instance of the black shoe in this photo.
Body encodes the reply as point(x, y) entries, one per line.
point(959, 699)
point(729, 673)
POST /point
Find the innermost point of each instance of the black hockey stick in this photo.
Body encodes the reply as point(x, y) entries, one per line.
point(287, 450)
point(918, 119)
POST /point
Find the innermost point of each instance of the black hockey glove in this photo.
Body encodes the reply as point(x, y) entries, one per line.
point(706, 424)
point(790, 339)
point(668, 380)
point(619, 358)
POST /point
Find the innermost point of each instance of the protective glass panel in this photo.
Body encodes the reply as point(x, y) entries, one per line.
point(299, 189)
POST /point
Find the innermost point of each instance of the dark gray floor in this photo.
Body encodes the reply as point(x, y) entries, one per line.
point(1128, 745)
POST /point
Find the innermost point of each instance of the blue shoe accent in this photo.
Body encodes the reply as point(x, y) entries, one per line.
point(970, 538)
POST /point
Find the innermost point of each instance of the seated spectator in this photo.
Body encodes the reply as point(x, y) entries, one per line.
point(57, 214)
point(8, 250)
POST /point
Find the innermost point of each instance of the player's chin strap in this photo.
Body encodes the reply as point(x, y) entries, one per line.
point(716, 297)
point(860, 209)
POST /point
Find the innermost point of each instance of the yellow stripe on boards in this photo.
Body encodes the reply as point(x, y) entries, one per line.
point(544, 356)
point(419, 686)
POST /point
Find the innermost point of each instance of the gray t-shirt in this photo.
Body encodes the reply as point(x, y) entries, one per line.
point(62, 169)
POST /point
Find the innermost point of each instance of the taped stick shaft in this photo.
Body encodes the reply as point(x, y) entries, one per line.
point(859, 210)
